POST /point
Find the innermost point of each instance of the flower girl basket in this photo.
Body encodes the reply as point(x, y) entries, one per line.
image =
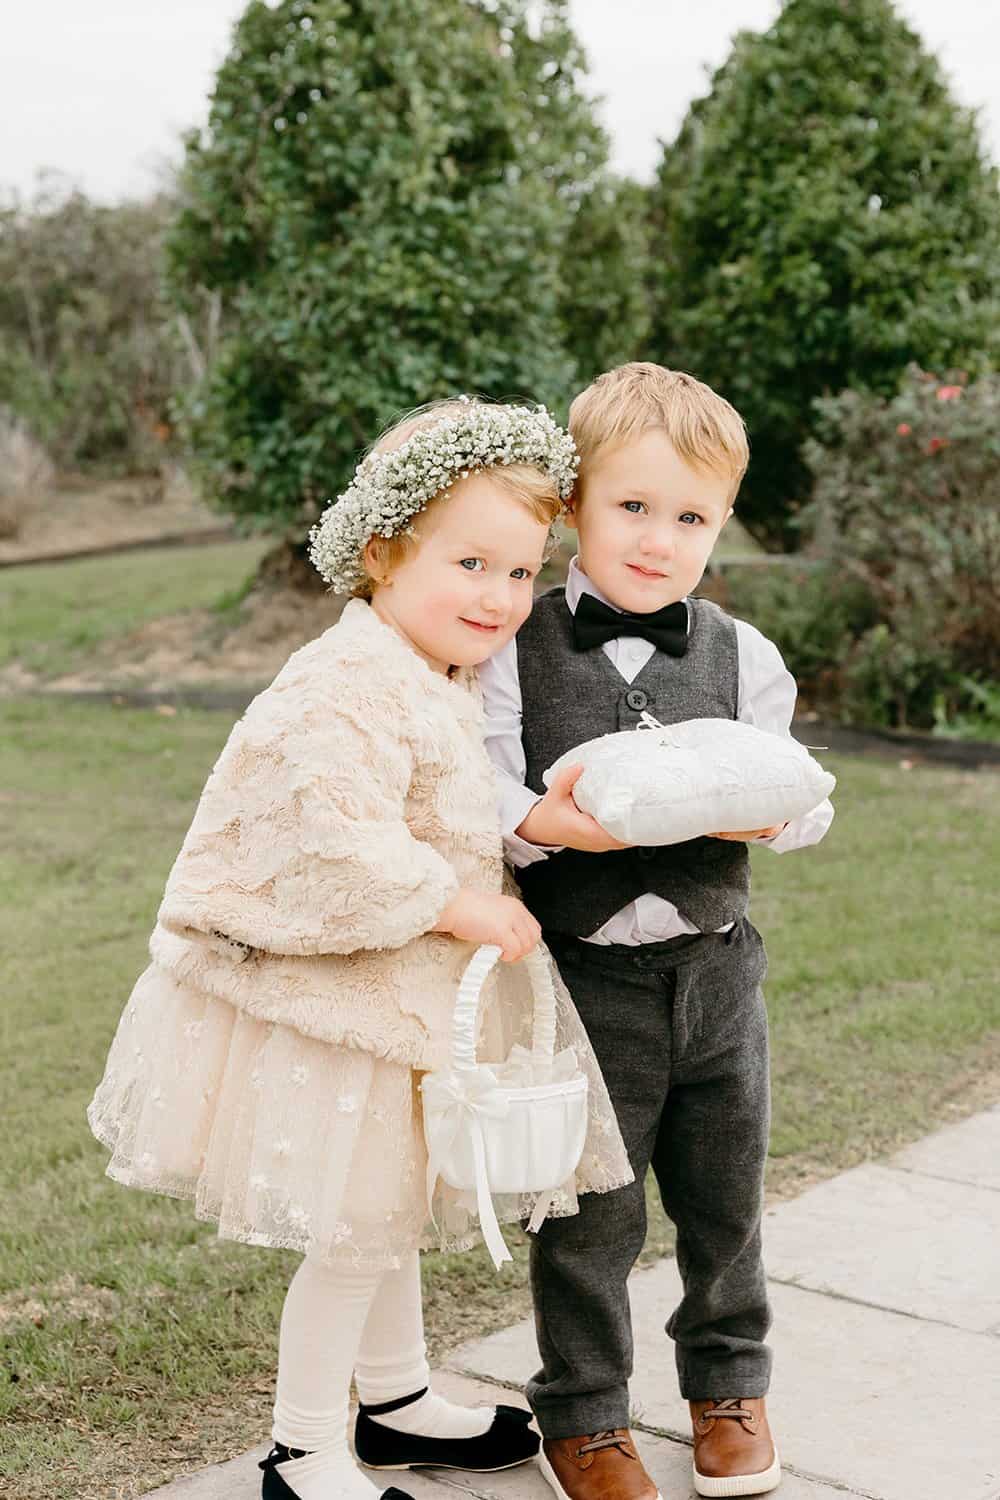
point(512, 1127)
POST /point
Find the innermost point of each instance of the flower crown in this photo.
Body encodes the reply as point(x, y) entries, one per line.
point(389, 489)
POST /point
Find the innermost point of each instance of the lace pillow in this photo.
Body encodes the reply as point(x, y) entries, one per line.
point(662, 784)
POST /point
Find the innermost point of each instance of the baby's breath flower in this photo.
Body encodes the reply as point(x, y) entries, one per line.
point(389, 489)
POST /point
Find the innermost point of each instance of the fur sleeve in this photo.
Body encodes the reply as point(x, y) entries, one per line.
point(299, 844)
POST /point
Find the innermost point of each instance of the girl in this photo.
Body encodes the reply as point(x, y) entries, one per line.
point(343, 863)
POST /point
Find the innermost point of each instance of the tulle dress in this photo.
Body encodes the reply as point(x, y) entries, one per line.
point(279, 1090)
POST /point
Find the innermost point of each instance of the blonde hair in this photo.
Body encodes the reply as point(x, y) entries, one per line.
point(622, 404)
point(536, 490)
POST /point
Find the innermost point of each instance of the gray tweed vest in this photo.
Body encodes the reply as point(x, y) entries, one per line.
point(570, 696)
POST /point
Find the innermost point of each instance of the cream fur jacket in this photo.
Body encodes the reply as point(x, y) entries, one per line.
point(348, 806)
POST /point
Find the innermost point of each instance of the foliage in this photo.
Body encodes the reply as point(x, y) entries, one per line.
point(907, 505)
point(824, 218)
point(894, 619)
point(972, 714)
point(605, 300)
point(87, 358)
point(812, 611)
point(381, 197)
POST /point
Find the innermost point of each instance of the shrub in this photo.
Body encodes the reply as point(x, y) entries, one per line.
point(812, 612)
point(907, 505)
point(605, 298)
point(87, 356)
point(381, 197)
point(825, 217)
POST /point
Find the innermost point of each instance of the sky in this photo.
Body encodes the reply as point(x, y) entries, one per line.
point(101, 89)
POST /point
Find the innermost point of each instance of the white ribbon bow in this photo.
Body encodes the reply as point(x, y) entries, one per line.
point(465, 1100)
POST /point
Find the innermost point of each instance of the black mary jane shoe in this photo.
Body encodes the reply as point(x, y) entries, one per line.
point(508, 1441)
point(276, 1488)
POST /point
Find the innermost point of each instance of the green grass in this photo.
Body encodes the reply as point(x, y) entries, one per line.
point(55, 614)
point(137, 1345)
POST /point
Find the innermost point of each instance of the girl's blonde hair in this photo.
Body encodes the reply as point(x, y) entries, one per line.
point(622, 404)
point(536, 490)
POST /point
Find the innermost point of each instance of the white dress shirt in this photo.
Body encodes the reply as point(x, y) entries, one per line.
point(766, 699)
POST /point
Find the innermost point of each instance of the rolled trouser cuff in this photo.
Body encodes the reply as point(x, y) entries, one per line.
point(704, 1378)
point(573, 1416)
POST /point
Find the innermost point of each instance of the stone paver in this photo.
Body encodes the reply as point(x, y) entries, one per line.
point(668, 1462)
point(886, 1297)
point(858, 1393)
point(896, 1239)
point(967, 1152)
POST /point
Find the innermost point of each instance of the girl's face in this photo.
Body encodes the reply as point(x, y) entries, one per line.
point(465, 587)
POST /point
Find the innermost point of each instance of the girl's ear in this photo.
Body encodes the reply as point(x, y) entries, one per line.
point(373, 563)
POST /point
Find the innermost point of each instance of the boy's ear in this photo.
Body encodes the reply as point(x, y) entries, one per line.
point(568, 517)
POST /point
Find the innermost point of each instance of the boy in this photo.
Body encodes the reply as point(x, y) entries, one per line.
point(654, 944)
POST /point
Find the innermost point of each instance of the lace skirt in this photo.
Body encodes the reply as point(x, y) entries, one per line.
point(283, 1140)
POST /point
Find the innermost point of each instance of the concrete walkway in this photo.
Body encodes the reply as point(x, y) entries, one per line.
point(886, 1290)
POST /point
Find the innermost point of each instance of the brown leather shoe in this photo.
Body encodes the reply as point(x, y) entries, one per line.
point(601, 1466)
point(734, 1452)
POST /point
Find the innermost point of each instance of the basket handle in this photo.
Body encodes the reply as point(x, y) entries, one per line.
point(543, 1031)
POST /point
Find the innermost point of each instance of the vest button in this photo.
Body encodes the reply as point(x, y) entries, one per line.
point(636, 699)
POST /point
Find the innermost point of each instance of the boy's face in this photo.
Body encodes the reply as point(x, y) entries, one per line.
point(647, 522)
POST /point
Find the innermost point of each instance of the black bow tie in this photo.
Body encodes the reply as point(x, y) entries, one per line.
point(666, 628)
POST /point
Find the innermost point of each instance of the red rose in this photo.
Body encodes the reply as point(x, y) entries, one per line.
point(949, 392)
point(904, 429)
point(936, 444)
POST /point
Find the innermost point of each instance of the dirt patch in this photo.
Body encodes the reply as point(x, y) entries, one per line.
point(78, 514)
point(247, 644)
point(66, 1298)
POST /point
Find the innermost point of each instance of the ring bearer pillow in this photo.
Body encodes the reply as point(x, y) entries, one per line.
point(662, 784)
point(513, 1127)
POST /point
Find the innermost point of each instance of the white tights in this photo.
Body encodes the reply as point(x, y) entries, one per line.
point(337, 1320)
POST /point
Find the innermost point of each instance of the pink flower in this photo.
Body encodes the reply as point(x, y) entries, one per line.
point(904, 429)
point(936, 444)
point(949, 392)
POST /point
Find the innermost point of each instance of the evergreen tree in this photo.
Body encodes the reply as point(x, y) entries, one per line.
point(382, 196)
point(605, 300)
point(824, 218)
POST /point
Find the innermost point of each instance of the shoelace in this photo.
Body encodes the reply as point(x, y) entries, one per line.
point(615, 1438)
point(732, 1407)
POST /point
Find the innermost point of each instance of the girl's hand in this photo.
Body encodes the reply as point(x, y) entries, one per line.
point(478, 917)
point(556, 819)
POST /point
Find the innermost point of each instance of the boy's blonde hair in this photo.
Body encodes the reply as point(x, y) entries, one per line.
point(622, 404)
point(536, 490)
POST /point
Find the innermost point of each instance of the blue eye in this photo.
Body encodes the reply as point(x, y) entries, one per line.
point(472, 564)
point(634, 507)
point(689, 516)
point(520, 573)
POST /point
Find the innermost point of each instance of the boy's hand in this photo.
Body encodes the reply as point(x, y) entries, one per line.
point(478, 917)
point(751, 833)
point(556, 819)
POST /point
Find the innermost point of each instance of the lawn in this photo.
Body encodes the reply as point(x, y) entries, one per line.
point(54, 614)
point(136, 1345)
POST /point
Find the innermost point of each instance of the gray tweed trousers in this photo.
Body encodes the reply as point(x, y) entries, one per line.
point(680, 1031)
